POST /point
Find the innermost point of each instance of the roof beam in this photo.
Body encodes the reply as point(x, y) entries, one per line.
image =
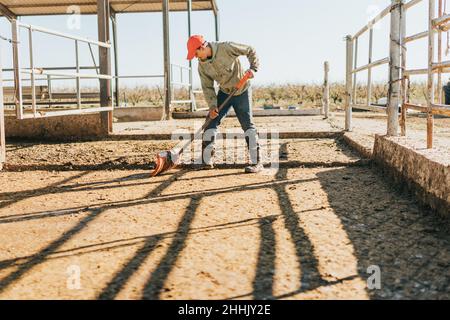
point(7, 12)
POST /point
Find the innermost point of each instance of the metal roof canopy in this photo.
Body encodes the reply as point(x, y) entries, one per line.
point(49, 7)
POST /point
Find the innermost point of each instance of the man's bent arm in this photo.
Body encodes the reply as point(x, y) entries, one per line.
point(238, 49)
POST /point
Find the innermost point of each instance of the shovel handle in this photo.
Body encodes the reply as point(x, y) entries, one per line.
point(244, 79)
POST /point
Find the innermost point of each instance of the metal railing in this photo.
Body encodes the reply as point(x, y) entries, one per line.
point(182, 83)
point(399, 75)
point(50, 73)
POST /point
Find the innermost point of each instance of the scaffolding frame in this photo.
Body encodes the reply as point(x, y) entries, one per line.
point(399, 75)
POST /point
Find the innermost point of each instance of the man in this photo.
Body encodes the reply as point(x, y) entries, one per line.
point(219, 61)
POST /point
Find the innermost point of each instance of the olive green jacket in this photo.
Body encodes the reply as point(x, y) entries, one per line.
point(225, 68)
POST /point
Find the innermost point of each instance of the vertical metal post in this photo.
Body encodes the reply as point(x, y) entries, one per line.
point(395, 74)
point(355, 65)
point(405, 79)
point(217, 24)
point(326, 91)
point(105, 63)
point(369, 71)
point(116, 57)
point(191, 84)
point(440, 13)
point(348, 81)
point(17, 69)
point(431, 37)
point(2, 119)
point(77, 64)
point(167, 78)
point(33, 84)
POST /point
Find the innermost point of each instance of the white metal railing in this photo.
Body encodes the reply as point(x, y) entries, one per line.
point(182, 83)
point(50, 73)
point(399, 75)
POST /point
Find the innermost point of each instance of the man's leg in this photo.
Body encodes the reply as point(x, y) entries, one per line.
point(242, 107)
point(209, 136)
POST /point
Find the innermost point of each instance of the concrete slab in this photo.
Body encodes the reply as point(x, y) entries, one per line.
point(256, 113)
point(303, 127)
point(425, 172)
point(74, 127)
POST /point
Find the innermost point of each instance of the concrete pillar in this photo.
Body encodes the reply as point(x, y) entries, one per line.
point(395, 68)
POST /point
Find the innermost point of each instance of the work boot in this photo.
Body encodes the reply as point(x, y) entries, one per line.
point(207, 158)
point(255, 166)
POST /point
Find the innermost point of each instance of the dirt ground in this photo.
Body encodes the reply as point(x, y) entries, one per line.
point(310, 229)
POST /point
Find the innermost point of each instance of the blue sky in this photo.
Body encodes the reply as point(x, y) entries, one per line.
point(292, 37)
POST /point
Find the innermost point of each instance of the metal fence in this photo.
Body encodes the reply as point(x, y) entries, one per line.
point(49, 74)
point(399, 75)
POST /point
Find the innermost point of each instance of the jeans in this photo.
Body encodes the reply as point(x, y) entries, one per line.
point(242, 108)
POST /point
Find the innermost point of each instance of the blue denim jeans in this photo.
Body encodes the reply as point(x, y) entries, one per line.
point(242, 107)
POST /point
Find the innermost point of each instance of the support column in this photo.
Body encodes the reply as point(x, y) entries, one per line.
point(116, 57)
point(395, 66)
point(431, 38)
point(405, 79)
point(105, 64)
point(191, 82)
point(2, 119)
point(17, 67)
point(217, 24)
point(326, 91)
point(348, 81)
point(167, 73)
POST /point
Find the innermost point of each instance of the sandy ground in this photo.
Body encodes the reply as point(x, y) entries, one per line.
point(305, 231)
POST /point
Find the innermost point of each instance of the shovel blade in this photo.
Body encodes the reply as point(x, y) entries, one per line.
point(163, 163)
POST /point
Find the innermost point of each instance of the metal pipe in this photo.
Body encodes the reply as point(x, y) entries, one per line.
point(404, 90)
point(372, 22)
point(415, 37)
point(17, 68)
point(42, 114)
point(68, 75)
point(355, 96)
point(167, 78)
point(77, 63)
point(116, 57)
point(440, 12)
point(348, 81)
point(217, 24)
point(430, 95)
point(93, 60)
point(369, 70)
point(326, 91)
point(191, 92)
point(372, 65)
point(2, 119)
point(63, 35)
point(411, 4)
point(33, 87)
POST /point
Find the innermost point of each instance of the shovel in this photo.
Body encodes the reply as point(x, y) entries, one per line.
point(167, 160)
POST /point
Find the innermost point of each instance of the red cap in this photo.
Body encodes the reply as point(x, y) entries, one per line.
point(193, 44)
